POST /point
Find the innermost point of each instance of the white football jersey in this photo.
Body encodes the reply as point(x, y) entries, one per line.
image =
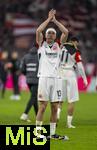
point(67, 60)
point(67, 63)
point(48, 60)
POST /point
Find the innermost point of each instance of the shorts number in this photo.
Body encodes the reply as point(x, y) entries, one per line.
point(59, 93)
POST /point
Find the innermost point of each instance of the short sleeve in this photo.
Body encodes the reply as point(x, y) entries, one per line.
point(78, 56)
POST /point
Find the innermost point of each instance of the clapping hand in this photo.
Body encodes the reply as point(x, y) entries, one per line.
point(51, 14)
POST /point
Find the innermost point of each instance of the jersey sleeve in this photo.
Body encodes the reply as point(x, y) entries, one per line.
point(78, 56)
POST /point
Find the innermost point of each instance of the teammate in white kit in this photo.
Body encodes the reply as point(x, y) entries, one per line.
point(49, 85)
point(71, 59)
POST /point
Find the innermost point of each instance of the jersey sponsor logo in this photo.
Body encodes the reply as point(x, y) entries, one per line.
point(51, 55)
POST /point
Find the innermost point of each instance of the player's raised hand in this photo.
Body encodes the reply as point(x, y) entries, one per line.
point(51, 14)
point(53, 19)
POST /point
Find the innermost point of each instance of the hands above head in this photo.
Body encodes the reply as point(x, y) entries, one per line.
point(53, 19)
point(51, 14)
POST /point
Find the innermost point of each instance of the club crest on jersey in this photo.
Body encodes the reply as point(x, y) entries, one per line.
point(55, 47)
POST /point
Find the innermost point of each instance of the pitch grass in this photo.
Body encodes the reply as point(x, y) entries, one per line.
point(84, 137)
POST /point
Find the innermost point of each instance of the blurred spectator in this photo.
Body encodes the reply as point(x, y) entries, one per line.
point(14, 61)
point(3, 71)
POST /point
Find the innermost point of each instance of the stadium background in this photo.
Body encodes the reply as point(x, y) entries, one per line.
point(18, 22)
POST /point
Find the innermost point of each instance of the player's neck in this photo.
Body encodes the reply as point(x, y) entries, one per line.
point(50, 43)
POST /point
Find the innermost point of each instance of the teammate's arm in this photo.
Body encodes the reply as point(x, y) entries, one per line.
point(82, 72)
point(62, 28)
point(80, 67)
point(40, 29)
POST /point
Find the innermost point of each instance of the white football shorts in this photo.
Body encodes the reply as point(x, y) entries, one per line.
point(70, 90)
point(50, 88)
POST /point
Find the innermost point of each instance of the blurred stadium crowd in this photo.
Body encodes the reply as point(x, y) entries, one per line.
point(20, 18)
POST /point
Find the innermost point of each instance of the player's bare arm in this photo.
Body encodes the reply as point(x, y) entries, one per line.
point(40, 29)
point(62, 28)
point(82, 73)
